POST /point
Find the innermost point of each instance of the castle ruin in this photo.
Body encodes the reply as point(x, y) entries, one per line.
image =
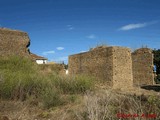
point(115, 65)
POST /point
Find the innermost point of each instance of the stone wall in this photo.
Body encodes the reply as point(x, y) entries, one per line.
point(93, 63)
point(122, 68)
point(13, 42)
point(110, 64)
point(142, 60)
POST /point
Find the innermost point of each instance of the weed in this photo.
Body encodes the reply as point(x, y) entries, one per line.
point(21, 79)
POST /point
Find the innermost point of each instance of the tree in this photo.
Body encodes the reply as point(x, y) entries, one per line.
point(157, 62)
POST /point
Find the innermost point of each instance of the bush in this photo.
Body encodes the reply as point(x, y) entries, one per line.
point(17, 76)
point(74, 85)
point(56, 68)
point(158, 79)
point(51, 97)
point(20, 78)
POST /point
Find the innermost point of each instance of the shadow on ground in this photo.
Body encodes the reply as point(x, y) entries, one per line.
point(151, 87)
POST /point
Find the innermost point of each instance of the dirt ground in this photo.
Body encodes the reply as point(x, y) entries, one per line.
point(31, 110)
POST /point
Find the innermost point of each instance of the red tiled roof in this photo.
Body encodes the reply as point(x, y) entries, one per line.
point(36, 57)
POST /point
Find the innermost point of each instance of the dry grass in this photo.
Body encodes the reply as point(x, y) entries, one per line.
point(95, 105)
point(109, 105)
point(31, 110)
point(26, 94)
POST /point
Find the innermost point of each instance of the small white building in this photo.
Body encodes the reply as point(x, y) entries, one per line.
point(38, 59)
point(66, 71)
point(41, 61)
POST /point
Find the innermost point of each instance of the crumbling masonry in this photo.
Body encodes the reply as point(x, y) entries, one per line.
point(142, 64)
point(116, 65)
point(13, 42)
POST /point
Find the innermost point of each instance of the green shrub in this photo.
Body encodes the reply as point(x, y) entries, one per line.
point(16, 74)
point(56, 68)
point(158, 79)
point(16, 63)
point(72, 98)
point(74, 85)
point(51, 97)
point(20, 78)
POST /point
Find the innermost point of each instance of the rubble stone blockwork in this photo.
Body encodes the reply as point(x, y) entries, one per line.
point(142, 60)
point(122, 68)
point(111, 64)
point(13, 42)
point(116, 65)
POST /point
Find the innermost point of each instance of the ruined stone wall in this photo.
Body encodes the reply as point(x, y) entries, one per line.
point(111, 64)
point(142, 60)
point(93, 63)
point(122, 68)
point(13, 42)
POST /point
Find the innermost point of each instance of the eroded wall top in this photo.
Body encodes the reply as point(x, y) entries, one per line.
point(13, 42)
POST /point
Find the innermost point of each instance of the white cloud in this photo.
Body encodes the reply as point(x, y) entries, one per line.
point(92, 36)
point(60, 48)
point(70, 27)
point(133, 26)
point(137, 25)
point(48, 52)
point(83, 51)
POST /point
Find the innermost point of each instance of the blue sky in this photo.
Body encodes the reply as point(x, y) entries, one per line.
point(58, 28)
